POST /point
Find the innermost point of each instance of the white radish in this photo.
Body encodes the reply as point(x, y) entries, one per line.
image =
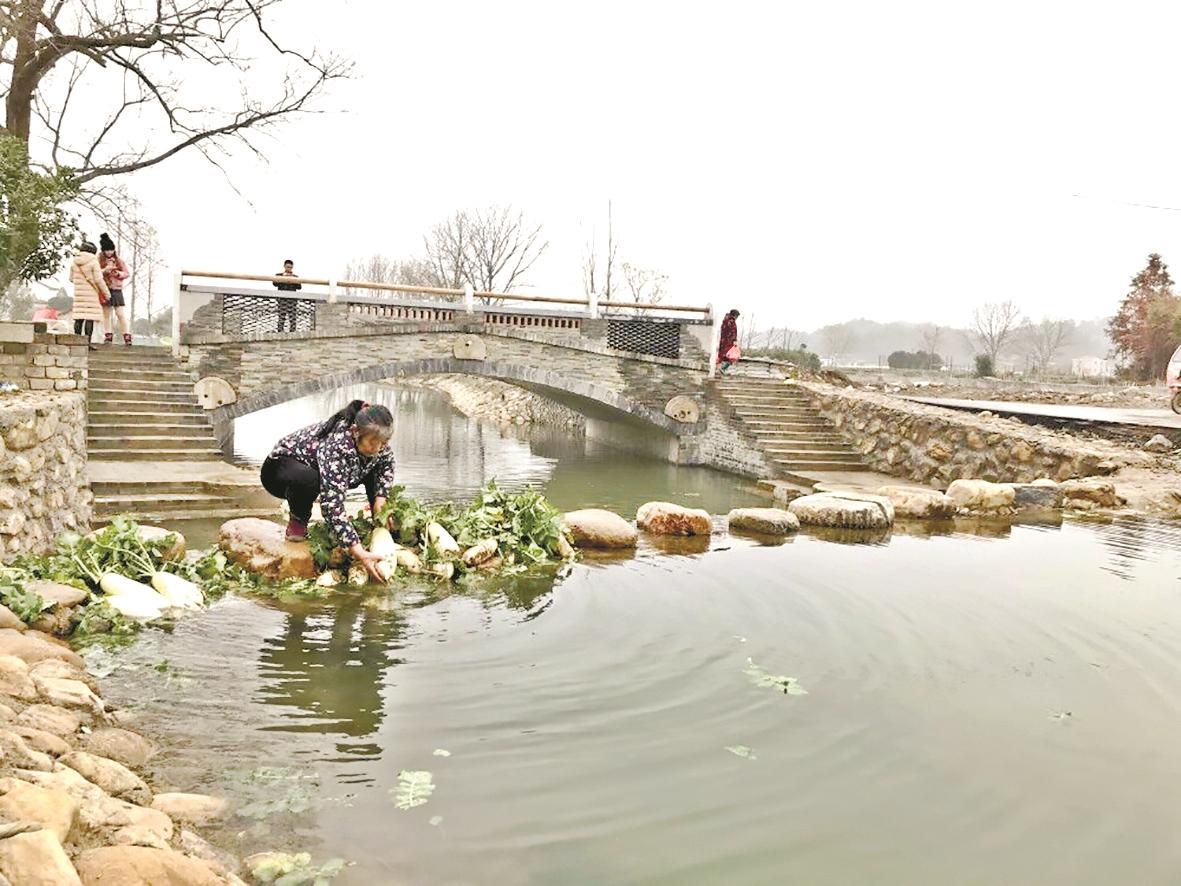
point(131, 598)
point(387, 569)
point(358, 575)
point(381, 542)
point(442, 570)
point(408, 560)
point(441, 539)
point(177, 591)
point(478, 553)
point(330, 579)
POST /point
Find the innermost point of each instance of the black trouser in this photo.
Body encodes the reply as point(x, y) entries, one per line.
point(84, 327)
point(287, 310)
point(290, 479)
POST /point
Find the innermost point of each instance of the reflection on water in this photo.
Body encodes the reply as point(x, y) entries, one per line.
point(988, 703)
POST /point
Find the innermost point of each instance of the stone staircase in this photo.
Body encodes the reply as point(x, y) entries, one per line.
point(152, 449)
point(778, 416)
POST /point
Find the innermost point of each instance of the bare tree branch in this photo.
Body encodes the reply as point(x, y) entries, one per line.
point(994, 326)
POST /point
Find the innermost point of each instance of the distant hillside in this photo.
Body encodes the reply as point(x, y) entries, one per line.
point(870, 342)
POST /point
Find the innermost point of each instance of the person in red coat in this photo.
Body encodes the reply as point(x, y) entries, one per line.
point(728, 340)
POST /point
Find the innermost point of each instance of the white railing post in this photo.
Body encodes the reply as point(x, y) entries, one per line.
point(469, 299)
point(331, 291)
point(592, 306)
point(177, 280)
point(715, 338)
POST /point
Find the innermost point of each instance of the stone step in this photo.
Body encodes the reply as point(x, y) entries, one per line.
point(162, 441)
point(797, 425)
point(162, 454)
point(142, 407)
point(812, 455)
point(781, 412)
point(138, 394)
point(147, 429)
point(795, 465)
point(135, 350)
point(195, 417)
point(769, 400)
point(107, 373)
point(211, 514)
point(161, 503)
point(153, 385)
point(778, 446)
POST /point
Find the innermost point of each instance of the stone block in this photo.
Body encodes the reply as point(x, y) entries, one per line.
point(15, 332)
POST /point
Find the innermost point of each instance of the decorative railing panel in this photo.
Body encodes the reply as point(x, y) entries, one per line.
point(645, 337)
point(263, 314)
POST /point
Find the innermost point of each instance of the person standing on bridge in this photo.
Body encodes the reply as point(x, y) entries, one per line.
point(287, 305)
point(324, 461)
point(728, 344)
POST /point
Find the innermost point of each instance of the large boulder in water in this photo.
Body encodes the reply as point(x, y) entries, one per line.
point(666, 518)
point(1091, 492)
point(261, 546)
point(128, 865)
point(844, 510)
point(914, 503)
point(769, 521)
point(596, 528)
point(982, 495)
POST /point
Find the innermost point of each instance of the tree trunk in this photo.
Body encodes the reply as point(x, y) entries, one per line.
point(25, 73)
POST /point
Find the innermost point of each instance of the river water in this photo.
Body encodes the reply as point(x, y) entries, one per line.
point(986, 704)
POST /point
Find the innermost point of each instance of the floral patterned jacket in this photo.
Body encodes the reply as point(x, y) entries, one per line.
point(341, 468)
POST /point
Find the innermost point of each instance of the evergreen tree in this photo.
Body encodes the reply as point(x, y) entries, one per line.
point(1143, 330)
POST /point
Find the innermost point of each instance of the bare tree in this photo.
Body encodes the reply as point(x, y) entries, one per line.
point(449, 249)
point(592, 277)
point(994, 325)
point(838, 340)
point(146, 71)
point(503, 249)
point(493, 249)
point(379, 268)
point(646, 286)
point(931, 340)
point(1044, 340)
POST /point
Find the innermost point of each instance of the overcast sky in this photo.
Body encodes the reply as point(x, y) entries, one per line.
point(805, 162)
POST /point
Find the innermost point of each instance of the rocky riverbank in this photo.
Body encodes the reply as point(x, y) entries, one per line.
point(499, 402)
point(75, 800)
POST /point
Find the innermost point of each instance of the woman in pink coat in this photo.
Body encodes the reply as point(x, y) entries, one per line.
point(115, 273)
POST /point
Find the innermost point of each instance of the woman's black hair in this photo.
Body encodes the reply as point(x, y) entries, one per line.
point(105, 243)
point(365, 416)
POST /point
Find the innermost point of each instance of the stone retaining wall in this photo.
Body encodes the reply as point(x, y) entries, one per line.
point(44, 490)
point(37, 360)
point(936, 446)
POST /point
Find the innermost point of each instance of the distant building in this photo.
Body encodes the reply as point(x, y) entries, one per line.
point(1092, 367)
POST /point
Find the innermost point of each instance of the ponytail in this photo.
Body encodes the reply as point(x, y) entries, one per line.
point(368, 419)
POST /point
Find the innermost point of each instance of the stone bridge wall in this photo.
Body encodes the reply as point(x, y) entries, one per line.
point(936, 446)
point(270, 369)
point(36, 360)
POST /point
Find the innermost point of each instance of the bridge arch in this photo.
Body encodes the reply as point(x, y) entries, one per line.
point(532, 377)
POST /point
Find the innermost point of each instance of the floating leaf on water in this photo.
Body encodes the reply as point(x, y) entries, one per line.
point(764, 680)
point(414, 788)
point(287, 869)
point(435, 821)
point(741, 750)
point(439, 752)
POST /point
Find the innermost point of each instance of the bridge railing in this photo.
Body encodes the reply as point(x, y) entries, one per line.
point(215, 303)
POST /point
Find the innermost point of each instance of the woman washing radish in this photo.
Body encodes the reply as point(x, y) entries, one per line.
point(327, 459)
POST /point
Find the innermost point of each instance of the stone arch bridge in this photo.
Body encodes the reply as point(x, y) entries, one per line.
point(250, 349)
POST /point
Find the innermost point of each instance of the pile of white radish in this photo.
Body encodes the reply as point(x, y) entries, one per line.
point(142, 602)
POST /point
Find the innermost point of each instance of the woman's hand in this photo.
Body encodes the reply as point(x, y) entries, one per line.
point(368, 560)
